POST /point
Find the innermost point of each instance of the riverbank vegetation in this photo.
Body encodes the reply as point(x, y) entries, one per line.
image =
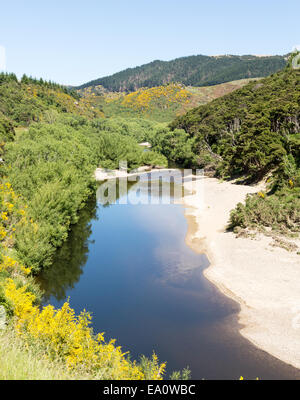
point(173, 145)
point(251, 133)
point(55, 336)
point(51, 166)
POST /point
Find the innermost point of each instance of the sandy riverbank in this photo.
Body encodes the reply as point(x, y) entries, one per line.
point(264, 280)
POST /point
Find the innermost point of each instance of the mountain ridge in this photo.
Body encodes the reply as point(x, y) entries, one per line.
point(195, 70)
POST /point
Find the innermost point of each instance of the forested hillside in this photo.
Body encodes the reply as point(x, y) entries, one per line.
point(252, 132)
point(190, 71)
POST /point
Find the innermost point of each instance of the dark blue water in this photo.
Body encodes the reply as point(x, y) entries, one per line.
point(129, 265)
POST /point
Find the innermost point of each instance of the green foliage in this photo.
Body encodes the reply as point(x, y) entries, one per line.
point(154, 159)
point(194, 71)
point(251, 130)
point(28, 80)
point(280, 212)
point(25, 101)
point(7, 132)
point(52, 165)
point(140, 129)
point(175, 145)
point(183, 375)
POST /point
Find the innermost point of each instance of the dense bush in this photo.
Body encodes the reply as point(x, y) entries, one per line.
point(7, 132)
point(51, 166)
point(176, 146)
point(280, 212)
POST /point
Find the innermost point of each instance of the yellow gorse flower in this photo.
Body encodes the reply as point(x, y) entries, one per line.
point(4, 216)
point(12, 214)
point(71, 337)
point(161, 96)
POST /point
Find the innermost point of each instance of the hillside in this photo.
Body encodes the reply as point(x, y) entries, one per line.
point(247, 126)
point(161, 103)
point(253, 132)
point(31, 100)
point(190, 71)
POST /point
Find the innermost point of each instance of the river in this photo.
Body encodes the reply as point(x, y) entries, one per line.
point(129, 265)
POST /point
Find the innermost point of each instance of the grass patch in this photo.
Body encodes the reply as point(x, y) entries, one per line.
point(21, 362)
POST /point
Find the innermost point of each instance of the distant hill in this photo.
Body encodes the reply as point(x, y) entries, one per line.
point(191, 71)
point(160, 103)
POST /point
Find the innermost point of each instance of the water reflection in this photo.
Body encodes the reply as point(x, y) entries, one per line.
point(156, 187)
point(71, 258)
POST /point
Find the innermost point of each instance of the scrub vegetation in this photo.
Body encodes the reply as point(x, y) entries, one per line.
point(249, 134)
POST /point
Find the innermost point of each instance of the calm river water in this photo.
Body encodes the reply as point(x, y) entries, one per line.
point(130, 267)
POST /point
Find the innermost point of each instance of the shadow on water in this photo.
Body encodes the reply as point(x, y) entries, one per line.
point(130, 266)
point(71, 258)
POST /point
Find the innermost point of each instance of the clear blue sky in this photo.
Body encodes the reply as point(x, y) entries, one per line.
point(72, 41)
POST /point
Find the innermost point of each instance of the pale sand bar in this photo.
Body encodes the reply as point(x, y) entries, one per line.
point(264, 280)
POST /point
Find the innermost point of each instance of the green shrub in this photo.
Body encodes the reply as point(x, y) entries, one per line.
point(280, 212)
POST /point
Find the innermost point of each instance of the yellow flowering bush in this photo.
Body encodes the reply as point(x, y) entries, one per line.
point(71, 338)
point(14, 219)
point(10, 265)
point(163, 96)
point(11, 213)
